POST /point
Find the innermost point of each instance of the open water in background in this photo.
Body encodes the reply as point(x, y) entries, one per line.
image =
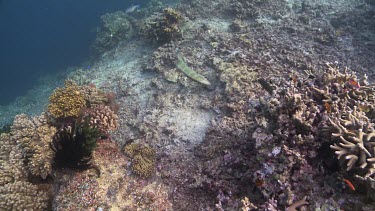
point(44, 36)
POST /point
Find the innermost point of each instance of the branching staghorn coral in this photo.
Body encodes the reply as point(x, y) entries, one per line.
point(349, 102)
point(34, 136)
point(357, 140)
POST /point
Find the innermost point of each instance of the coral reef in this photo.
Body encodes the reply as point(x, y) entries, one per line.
point(115, 189)
point(66, 102)
point(74, 144)
point(21, 195)
point(259, 137)
point(356, 143)
point(102, 118)
point(34, 135)
point(143, 159)
point(93, 95)
point(16, 193)
point(116, 27)
point(163, 27)
point(11, 161)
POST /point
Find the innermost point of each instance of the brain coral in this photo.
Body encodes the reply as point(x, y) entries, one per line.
point(67, 101)
point(143, 159)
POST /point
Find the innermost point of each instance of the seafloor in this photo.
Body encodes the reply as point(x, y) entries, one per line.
point(232, 144)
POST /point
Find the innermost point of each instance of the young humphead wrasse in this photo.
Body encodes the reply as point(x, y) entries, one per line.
point(132, 9)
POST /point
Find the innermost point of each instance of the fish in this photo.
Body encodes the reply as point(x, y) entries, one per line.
point(182, 66)
point(354, 83)
point(351, 186)
point(132, 9)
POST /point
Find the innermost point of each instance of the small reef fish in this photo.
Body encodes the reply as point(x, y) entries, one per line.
point(132, 9)
point(351, 186)
point(354, 83)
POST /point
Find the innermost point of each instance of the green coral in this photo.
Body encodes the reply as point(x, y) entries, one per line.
point(143, 159)
point(67, 101)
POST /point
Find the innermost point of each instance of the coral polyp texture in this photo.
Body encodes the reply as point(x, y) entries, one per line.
point(102, 118)
point(67, 101)
point(143, 159)
point(16, 193)
point(34, 135)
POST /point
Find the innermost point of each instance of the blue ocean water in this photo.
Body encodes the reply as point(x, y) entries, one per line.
point(45, 36)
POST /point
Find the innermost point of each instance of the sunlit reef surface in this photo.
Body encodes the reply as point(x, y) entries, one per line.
point(262, 131)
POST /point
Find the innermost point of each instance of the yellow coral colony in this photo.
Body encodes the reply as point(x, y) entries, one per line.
point(67, 101)
point(143, 159)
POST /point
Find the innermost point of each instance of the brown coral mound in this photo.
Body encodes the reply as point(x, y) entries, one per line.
point(67, 101)
point(34, 135)
point(16, 193)
point(163, 27)
point(93, 95)
point(143, 159)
